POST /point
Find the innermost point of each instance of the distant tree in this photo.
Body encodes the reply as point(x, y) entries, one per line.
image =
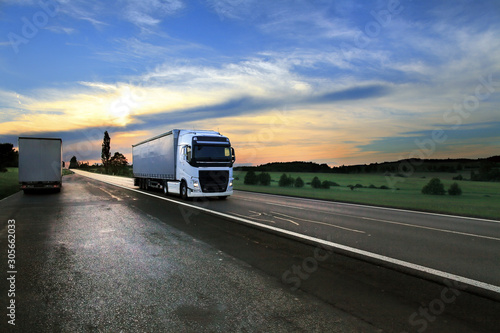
point(264, 179)
point(325, 184)
point(434, 187)
point(286, 180)
point(83, 165)
point(299, 182)
point(455, 189)
point(73, 163)
point(316, 183)
point(7, 156)
point(251, 178)
point(117, 162)
point(105, 153)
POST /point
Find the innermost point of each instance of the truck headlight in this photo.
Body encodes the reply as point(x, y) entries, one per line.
point(196, 184)
point(231, 182)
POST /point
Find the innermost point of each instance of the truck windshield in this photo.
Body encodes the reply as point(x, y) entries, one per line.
point(212, 153)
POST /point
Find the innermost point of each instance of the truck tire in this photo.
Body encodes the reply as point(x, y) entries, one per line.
point(224, 197)
point(184, 191)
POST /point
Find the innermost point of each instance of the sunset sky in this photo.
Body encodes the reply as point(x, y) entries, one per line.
point(336, 82)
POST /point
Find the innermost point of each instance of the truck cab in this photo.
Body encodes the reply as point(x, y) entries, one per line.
point(206, 161)
point(191, 163)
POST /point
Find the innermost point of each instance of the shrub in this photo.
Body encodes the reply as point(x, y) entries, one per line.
point(459, 177)
point(434, 187)
point(299, 182)
point(316, 183)
point(455, 189)
point(325, 184)
point(383, 187)
point(372, 186)
point(251, 178)
point(285, 181)
point(264, 179)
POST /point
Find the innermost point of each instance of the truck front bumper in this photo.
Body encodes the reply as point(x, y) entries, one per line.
point(199, 194)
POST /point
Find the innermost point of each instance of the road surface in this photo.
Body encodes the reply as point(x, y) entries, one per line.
point(467, 248)
point(98, 257)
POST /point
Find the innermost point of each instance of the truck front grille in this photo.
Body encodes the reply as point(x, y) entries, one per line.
point(214, 181)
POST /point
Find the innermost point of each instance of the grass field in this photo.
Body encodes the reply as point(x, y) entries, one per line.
point(478, 199)
point(9, 182)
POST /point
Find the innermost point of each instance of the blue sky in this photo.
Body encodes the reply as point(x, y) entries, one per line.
point(337, 82)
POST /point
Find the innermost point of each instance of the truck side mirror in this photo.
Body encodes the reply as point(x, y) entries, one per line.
point(186, 153)
point(233, 156)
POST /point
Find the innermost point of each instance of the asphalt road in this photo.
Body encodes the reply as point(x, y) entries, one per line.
point(97, 257)
point(466, 247)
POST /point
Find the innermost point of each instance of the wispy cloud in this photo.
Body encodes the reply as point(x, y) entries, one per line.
point(61, 30)
point(136, 67)
point(150, 12)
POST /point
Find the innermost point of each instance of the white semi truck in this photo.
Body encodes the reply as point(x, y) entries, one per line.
point(40, 163)
point(190, 163)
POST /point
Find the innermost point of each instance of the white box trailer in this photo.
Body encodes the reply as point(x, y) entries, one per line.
point(190, 163)
point(40, 163)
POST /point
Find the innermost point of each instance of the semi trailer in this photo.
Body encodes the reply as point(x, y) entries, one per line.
point(189, 163)
point(40, 164)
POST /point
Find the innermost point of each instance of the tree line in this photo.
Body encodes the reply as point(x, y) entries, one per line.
point(9, 157)
point(485, 169)
point(116, 164)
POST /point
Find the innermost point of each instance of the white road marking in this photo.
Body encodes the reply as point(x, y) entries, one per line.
point(430, 228)
point(244, 216)
point(288, 220)
point(365, 206)
point(416, 267)
point(110, 194)
point(323, 223)
point(385, 221)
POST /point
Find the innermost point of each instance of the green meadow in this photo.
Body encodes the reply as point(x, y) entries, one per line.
point(478, 199)
point(9, 182)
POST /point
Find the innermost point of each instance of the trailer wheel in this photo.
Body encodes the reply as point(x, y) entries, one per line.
point(165, 187)
point(184, 191)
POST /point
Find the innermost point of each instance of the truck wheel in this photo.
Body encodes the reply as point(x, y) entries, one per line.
point(184, 191)
point(165, 187)
point(223, 197)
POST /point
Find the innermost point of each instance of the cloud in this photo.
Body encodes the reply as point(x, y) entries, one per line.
point(60, 30)
point(353, 93)
point(422, 141)
point(150, 12)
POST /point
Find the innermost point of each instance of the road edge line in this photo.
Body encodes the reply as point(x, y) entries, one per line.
point(423, 271)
